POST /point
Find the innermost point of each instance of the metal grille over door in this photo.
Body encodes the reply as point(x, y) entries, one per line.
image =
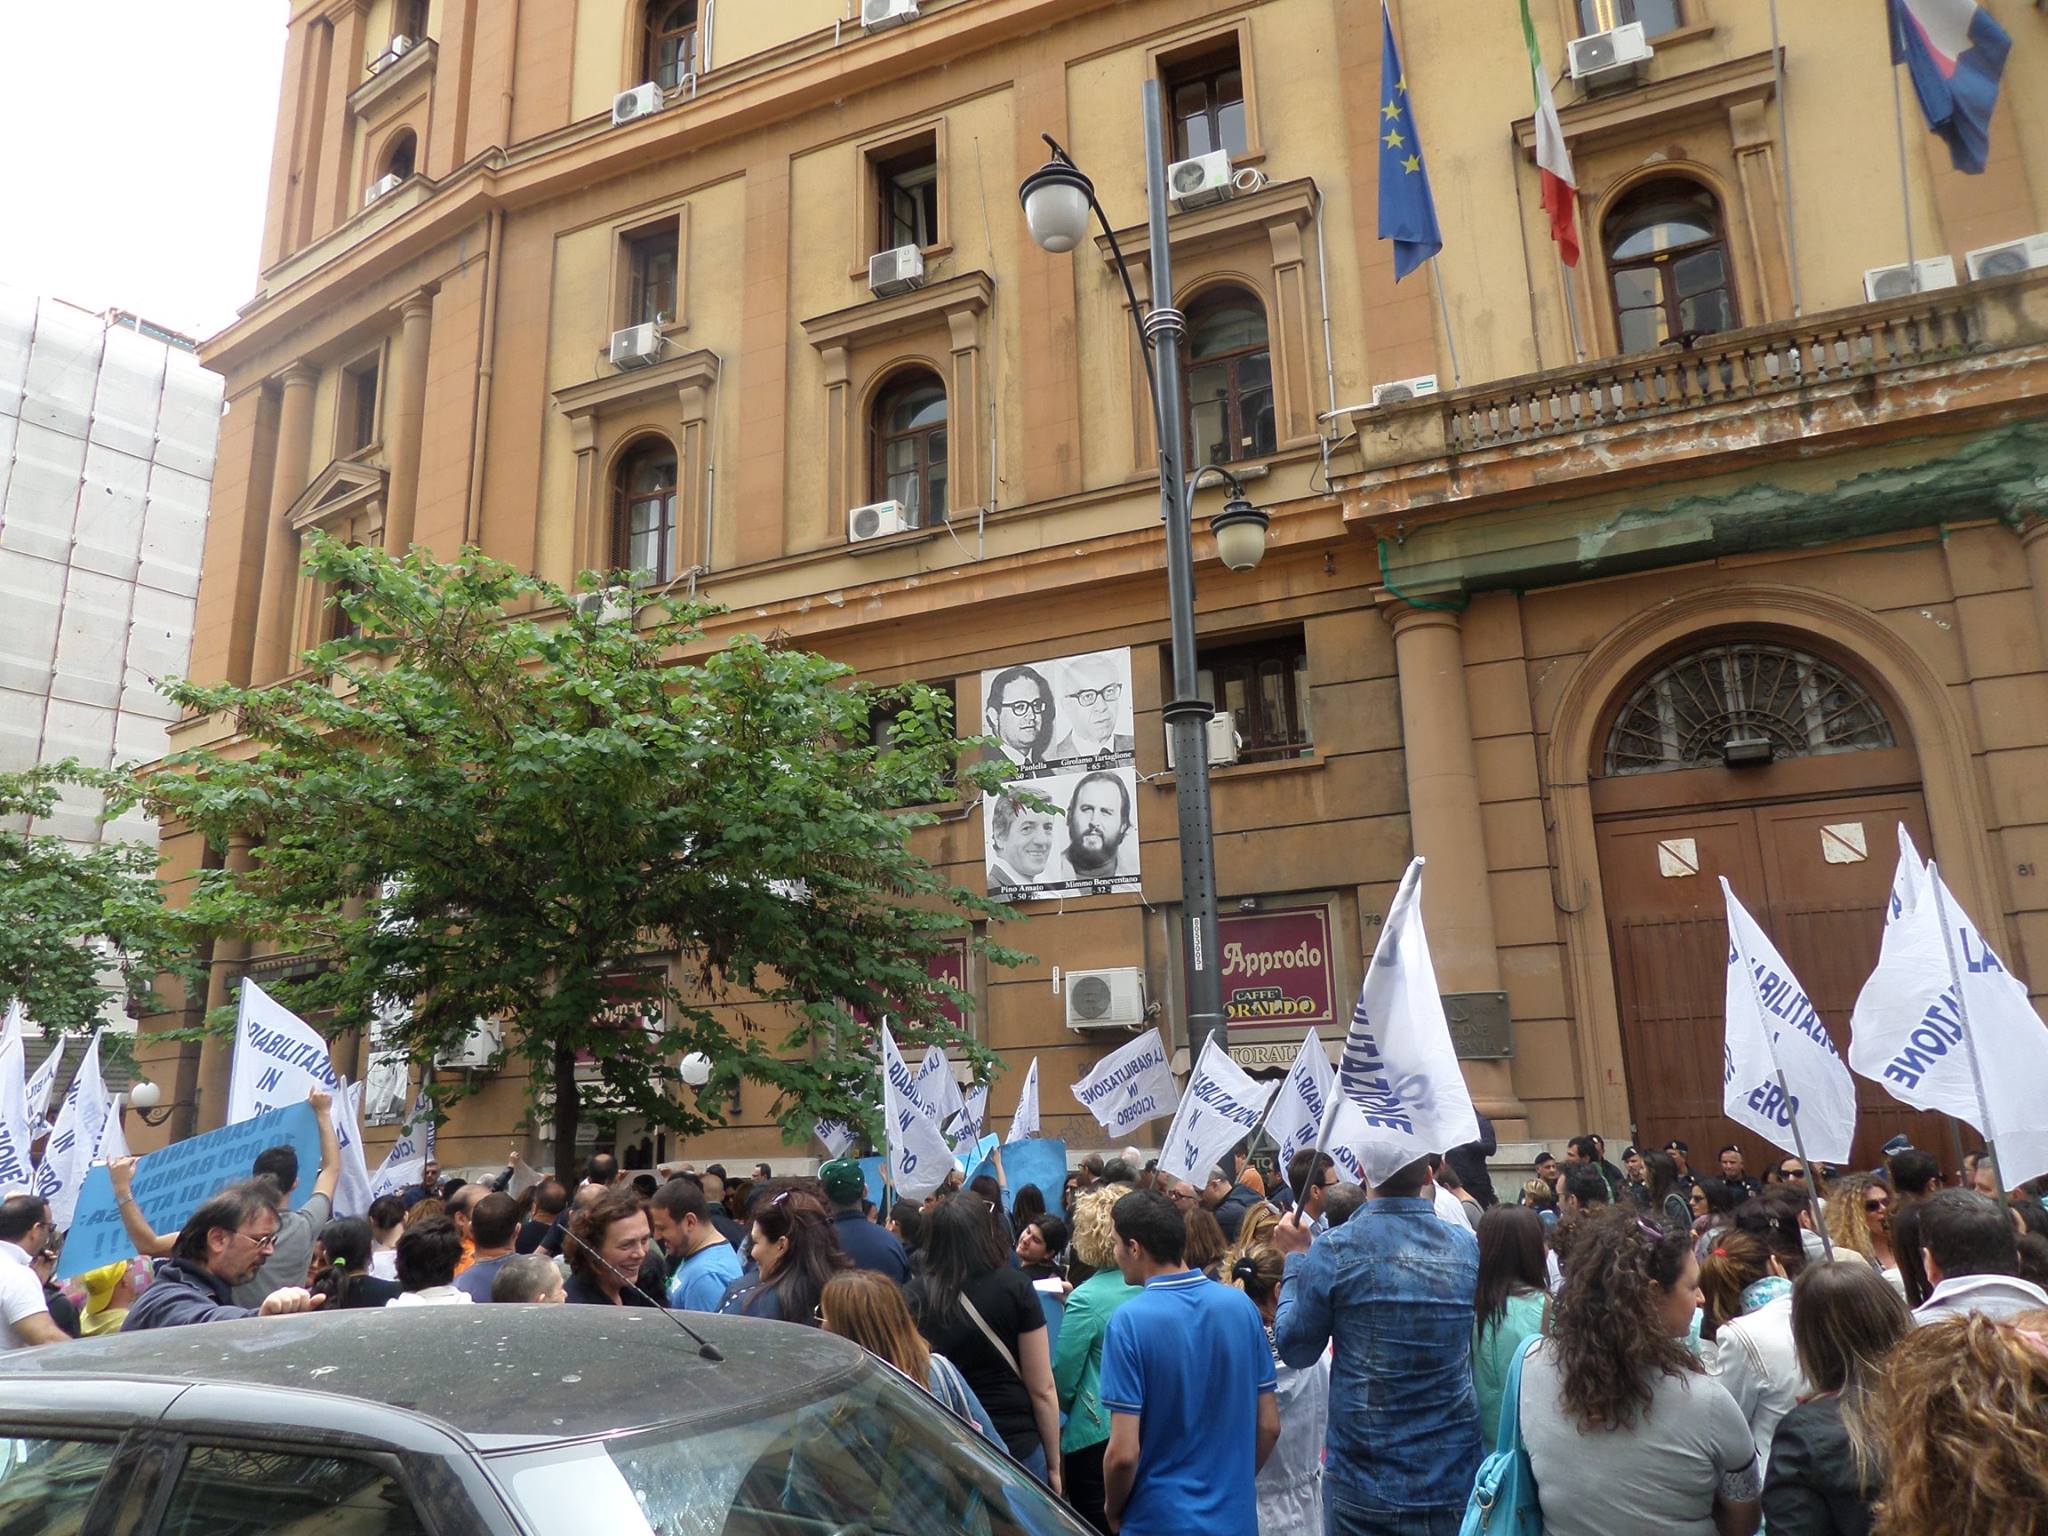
point(1743, 702)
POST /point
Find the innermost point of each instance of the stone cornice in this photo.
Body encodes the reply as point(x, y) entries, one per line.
point(1598, 119)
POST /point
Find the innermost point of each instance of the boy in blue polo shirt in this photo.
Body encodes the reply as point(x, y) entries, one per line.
point(1187, 1377)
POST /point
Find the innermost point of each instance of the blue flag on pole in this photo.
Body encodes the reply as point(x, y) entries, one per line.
point(1955, 51)
point(1407, 209)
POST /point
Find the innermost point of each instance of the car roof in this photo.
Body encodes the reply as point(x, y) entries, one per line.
point(500, 1376)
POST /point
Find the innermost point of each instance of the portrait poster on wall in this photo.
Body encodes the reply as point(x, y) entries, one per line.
point(1067, 726)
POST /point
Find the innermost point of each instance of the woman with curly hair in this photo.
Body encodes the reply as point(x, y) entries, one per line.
point(1963, 1416)
point(1625, 1432)
point(1859, 1220)
point(1077, 1363)
point(1824, 1471)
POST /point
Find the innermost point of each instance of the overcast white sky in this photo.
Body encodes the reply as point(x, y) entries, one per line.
point(135, 150)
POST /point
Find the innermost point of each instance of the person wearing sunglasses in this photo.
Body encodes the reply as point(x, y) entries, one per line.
point(25, 1231)
point(221, 1246)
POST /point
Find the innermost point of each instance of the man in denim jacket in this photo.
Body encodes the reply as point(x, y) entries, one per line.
point(1393, 1287)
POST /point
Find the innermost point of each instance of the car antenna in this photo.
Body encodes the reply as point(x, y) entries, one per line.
point(708, 1351)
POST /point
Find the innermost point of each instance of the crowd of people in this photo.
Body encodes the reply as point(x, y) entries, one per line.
point(1281, 1352)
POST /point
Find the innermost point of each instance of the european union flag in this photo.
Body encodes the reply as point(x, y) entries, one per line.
point(1407, 209)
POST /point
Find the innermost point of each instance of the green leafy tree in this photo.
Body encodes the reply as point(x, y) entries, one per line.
point(488, 808)
point(79, 925)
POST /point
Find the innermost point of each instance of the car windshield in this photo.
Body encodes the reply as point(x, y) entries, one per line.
point(878, 1458)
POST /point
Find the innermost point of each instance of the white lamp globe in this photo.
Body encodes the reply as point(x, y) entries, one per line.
point(696, 1069)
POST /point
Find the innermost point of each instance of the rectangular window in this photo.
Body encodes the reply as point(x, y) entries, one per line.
point(1657, 16)
point(882, 729)
point(358, 406)
point(907, 186)
point(258, 1492)
point(48, 1485)
point(651, 258)
point(1205, 102)
point(1264, 684)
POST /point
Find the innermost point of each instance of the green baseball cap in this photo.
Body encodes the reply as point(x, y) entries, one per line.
point(843, 1180)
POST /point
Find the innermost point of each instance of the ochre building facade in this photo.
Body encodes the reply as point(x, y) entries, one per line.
point(1715, 554)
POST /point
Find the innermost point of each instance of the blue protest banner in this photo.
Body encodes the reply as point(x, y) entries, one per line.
point(1039, 1161)
point(170, 1185)
point(871, 1170)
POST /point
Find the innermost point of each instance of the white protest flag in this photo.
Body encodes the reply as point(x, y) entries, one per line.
point(113, 1135)
point(1024, 1124)
point(1918, 1021)
point(523, 1177)
point(352, 1192)
point(967, 1128)
point(1298, 1110)
point(1130, 1085)
point(919, 1158)
point(1398, 1066)
point(406, 1163)
point(75, 1138)
point(279, 1058)
point(39, 1086)
point(1222, 1107)
point(937, 1086)
point(1779, 1060)
point(17, 1176)
point(836, 1135)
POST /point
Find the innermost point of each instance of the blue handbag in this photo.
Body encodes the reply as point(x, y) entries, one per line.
point(1503, 1501)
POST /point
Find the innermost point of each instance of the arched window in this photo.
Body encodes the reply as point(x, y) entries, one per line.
point(910, 447)
point(1741, 702)
point(644, 501)
point(400, 155)
point(671, 41)
point(1667, 265)
point(1229, 378)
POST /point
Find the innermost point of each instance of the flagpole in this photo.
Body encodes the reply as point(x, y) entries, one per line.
point(1450, 338)
point(1905, 186)
point(1791, 1111)
point(1785, 155)
point(1955, 978)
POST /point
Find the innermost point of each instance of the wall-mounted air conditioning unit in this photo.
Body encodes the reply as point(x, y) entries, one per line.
point(876, 520)
point(1201, 181)
point(486, 1038)
point(2004, 260)
point(1112, 999)
point(1603, 57)
point(380, 186)
point(637, 346)
point(606, 607)
point(1396, 390)
point(1223, 749)
point(878, 14)
point(896, 271)
point(399, 44)
point(641, 101)
point(1894, 283)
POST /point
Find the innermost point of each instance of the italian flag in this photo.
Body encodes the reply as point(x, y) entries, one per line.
point(1560, 191)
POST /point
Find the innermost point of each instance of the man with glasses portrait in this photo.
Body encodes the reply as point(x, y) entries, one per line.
point(1019, 714)
point(1091, 695)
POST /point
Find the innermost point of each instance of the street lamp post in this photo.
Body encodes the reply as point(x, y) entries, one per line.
point(1057, 199)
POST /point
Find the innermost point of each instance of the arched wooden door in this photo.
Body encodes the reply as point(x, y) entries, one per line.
point(1806, 830)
